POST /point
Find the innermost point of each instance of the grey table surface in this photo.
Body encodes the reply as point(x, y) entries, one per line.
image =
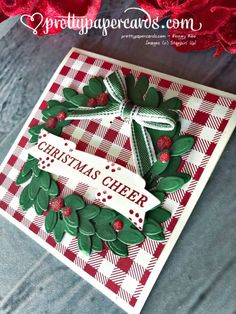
point(200, 274)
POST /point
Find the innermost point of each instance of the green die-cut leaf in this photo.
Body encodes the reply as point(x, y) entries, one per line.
point(170, 184)
point(97, 244)
point(130, 83)
point(46, 114)
point(45, 180)
point(95, 86)
point(59, 230)
point(55, 110)
point(42, 199)
point(131, 236)
point(86, 227)
point(88, 92)
point(106, 232)
point(50, 221)
point(142, 85)
point(36, 169)
point(27, 167)
point(155, 134)
point(160, 195)
point(74, 201)
point(159, 214)
point(68, 105)
point(158, 167)
point(79, 100)
point(38, 210)
point(172, 167)
point(151, 227)
point(118, 248)
point(35, 130)
point(172, 104)
point(34, 187)
point(72, 220)
point(106, 215)
point(71, 230)
point(182, 145)
point(27, 205)
point(24, 197)
point(53, 103)
point(56, 131)
point(100, 79)
point(184, 176)
point(90, 211)
point(62, 124)
point(152, 98)
point(157, 237)
point(85, 244)
point(136, 96)
point(53, 189)
point(22, 179)
point(69, 93)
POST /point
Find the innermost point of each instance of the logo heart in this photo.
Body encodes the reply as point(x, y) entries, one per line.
point(36, 16)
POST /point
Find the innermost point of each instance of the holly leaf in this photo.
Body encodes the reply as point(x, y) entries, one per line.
point(50, 221)
point(53, 103)
point(170, 184)
point(86, 227)
point(53, 189)
point(71, 230)
point(172, 104)
point(172, 168)
point(159, 214)
point(74, 201)
point(85, 244)
point(157, 237)
point(142, 85)
point(182, 145)
point(72, 220)
point(22, 179)
point(24, 196)
point(158, 167)
point(106, 215)
point(59, 230)
point(34, 187)
point(69, 93)
point(106, 232)
point(95, 86)
point(118, 248)
point(35, 130)
point(152, 98)
point(131, 236)
point(97, 244)
point(42, 199)
point(160, 195)
point(79, 100)
point(89, 211)
point(57, 109)
point(151, 227)
point(45, 180)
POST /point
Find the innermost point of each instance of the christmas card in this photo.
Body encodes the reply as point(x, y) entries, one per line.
point(109, 166)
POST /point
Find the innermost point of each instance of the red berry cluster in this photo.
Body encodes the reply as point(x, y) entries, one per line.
point(57, 204)
point(51, 122)
point(101, 100)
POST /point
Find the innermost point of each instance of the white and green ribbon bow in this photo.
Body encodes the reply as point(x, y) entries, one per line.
point(139, 119)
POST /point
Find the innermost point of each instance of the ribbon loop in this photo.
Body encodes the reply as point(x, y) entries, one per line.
point(139, 118)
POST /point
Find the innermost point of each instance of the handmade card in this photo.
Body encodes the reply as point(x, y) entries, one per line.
point(108, 168)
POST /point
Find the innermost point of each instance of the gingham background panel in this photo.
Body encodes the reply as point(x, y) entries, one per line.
point(204, 116)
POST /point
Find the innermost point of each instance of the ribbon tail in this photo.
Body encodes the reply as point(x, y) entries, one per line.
point(143, 151)
point(96, 113)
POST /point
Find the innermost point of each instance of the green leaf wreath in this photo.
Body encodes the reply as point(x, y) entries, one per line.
point(93, 226)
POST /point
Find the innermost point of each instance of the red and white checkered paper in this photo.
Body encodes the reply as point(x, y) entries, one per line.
point(127, 281)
